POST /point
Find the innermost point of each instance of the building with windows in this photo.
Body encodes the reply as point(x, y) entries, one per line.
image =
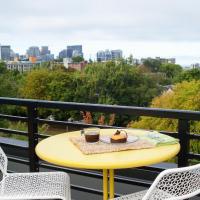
point(162, 60)
point(116, 54)
point(109, 55)
point(33, 51)
point(45, 50)
point(68, 64)
point(74, 50)
point(21, 66)
point(63, 54)
point(5, 52)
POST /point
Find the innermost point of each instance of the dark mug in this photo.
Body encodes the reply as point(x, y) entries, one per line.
point(92, 134)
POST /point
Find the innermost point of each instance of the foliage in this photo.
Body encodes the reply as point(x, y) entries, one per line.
point(185, 96)
point(77, 59)
point(130, 59)
point(171, 70)
point(2, 67)
point(21, 126)
point(104, 83)
point(163, 73)
point(152, 64)
point(188, 75)
point(118, 83)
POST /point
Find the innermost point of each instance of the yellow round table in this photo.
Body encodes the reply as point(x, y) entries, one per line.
point(61, 151)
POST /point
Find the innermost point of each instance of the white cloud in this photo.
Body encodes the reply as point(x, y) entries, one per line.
point(162, 27)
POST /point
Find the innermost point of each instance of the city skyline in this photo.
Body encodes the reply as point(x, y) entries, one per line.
point(144, 29)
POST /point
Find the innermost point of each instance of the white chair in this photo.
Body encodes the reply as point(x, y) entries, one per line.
point(171, 184)
point(42, 185)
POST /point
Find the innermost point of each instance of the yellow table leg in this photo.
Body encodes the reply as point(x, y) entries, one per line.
point(111, 176)
point(105, 184)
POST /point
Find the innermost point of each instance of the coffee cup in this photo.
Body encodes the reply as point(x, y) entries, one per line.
point(92, 134)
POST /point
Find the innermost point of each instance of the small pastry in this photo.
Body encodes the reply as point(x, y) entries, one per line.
point(119, 137)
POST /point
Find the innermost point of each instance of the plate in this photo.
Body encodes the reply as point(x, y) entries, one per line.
point(130, 139)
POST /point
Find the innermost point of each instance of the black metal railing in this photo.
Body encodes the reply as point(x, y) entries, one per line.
point(32, 119)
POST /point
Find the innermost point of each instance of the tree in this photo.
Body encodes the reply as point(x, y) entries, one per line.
point(130, 59)
point(2, 67)
point(188, 75)
point(36, 84)
point(117, 83)
point(152, 64)
point(104, 83)
point(184, 96)
point(77, 59)
point(171, 70)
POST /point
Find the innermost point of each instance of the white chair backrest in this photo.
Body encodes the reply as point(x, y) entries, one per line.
point(175, 184)
point(3, 162)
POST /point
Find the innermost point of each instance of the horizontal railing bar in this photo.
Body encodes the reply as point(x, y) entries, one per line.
point(97, 175)
point(138, 111)
point(193, 156)
point(14, 118)
point(133, 181)
point(13, 146)
point(18, 160)
point(43, 136)
point(79, 124)
point(151, 169)
point(91, 174)
point(194, 136)
point(172, 134)
point(90, 190)
point(86, 189)
point(11, 131)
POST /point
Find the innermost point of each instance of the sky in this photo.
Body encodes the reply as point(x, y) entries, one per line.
point(143, 28)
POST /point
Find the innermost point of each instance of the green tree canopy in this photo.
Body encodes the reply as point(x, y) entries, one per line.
point(152, 64)
point(184, 96)
point(188, 75)
point(171, 70)
point(2, 67)
point(77, 59)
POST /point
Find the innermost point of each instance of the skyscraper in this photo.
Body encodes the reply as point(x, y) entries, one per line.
point(63, 54)
point(109, 55)
point(5, 52)
point(104, 55)
point(116, 54)
point(74, 50)
point(33, 51)
point(45, 50)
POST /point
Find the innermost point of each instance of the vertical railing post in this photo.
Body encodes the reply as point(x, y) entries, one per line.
point(32, 137)
point(183, 132)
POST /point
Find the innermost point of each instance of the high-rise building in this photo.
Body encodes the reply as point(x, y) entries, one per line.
point(104, 55)
point(63, 54)
point(116, 54)
point(100, 56)
point(46, 58)
point(45, 50)
point(69, 53)
point(74, 50)
point(33, 51)
point(109, 55)
point(162, 60)
point(5, 52)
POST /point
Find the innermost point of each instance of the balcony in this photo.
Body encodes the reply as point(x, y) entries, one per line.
point(87, 184)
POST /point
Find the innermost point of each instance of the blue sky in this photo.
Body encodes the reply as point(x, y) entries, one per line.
point(143, 28)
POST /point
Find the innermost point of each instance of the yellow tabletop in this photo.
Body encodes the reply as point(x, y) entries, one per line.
point(61, 151)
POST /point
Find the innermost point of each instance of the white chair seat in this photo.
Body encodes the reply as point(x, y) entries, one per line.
point(172, 184)
point(43, 185)
point(141, 194)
